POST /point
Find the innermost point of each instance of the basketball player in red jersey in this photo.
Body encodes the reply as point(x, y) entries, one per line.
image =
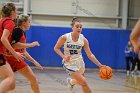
point(6, 28)
point(20, 45)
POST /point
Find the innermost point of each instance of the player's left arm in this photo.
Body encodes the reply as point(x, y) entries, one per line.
point(90, 54)
point(31, 59)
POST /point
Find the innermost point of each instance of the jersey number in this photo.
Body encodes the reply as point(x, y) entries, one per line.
point(73, 52)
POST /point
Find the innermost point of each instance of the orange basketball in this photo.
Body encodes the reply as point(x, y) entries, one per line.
point(105, 72)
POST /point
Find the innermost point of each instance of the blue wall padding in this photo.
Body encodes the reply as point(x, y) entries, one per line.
point(107, 45)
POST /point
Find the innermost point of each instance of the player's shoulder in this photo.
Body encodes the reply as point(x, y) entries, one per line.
point(85, 39)
point(66, 35)
point(7, 21)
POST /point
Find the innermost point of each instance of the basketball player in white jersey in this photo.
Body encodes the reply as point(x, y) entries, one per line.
point(72, 57)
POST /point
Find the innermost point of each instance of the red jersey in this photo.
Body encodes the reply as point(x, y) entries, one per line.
point(18, 35)
point(5, 23)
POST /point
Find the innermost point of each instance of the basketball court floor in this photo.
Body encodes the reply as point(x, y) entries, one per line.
point(54, 81)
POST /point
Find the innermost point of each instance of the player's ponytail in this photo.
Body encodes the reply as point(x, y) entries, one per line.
point(75, 19)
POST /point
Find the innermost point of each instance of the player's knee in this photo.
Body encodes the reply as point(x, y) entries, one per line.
point(83, 83)
point(12, 87)
point(12, 83)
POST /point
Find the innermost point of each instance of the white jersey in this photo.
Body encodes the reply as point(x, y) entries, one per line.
point(74, 50)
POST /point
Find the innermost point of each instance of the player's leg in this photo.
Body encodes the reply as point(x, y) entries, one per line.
point(80, 79)
point(28, 73)
point(8, 78)
point(73, 81)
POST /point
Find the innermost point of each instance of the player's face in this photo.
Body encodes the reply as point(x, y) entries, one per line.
point(27, 24)
point(14, 14)
point(77, 28)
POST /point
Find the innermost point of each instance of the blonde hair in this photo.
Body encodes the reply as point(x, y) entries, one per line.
point(21, 18)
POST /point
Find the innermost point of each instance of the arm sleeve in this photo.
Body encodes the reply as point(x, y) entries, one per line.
point(9, 25)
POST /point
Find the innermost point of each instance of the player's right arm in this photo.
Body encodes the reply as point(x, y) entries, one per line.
point(57, 47)
point(5, 42)
point(134, 36)
point(20, 45)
